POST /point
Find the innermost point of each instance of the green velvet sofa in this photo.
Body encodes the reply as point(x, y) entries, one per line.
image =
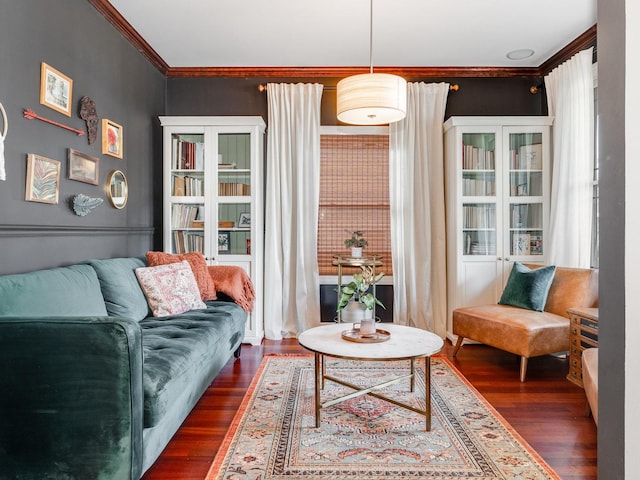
point(91, 385)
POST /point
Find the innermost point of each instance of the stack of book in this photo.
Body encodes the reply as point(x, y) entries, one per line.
point(187, 186)
point(234, 189)
point(183, 216)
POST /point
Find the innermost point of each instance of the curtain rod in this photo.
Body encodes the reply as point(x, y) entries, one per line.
point(263, 87)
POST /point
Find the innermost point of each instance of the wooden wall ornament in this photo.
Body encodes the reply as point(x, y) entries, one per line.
point(31, 115)
point(89, 114)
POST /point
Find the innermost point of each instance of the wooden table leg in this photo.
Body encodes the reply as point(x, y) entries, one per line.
point(413, 375)
point(427, 391)
point(318, 369)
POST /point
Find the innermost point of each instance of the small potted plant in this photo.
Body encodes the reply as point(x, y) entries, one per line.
point(356, 243)
point(357, 303)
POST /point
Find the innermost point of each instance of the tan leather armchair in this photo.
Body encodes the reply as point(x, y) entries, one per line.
point(529, 333)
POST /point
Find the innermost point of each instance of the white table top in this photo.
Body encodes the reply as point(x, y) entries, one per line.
point(405, 342)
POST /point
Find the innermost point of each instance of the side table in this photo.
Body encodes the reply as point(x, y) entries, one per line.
point(583, 334)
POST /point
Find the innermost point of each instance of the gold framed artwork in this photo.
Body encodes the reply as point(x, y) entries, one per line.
point(56, 89)
point(43, 179)
point(111, 138)
point(83, 167)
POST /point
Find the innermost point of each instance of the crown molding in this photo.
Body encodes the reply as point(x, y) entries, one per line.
point(114, 17)
point(339, 72)
point(133, 37)
point(586, 40)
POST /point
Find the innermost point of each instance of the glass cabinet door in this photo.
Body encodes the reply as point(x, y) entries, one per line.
point(479, 223)
point(234, 194)
point(526, 190)
point(187, 192)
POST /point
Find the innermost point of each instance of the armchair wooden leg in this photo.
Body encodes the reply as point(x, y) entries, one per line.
point(458, 345)
point(523, 368)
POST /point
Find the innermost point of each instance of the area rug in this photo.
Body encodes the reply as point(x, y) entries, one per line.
point(273, 435)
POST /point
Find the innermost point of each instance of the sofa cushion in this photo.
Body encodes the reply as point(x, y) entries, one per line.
point(120, 288)
point(524, 332)
point(572, 287)
point(65, 291)
point(183, 353)
point(198, 266)
point(170, 289)
point(528, 288)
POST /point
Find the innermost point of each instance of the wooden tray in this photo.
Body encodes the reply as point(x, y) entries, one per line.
point(354, 335)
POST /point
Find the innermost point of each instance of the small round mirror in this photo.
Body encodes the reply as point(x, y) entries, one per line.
point(117, 189)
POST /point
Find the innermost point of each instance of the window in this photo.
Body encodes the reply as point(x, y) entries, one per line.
point(354, 192)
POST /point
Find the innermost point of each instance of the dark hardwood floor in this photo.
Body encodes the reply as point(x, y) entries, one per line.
point(547, 410)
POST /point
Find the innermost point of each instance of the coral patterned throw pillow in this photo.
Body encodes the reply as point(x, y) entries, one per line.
point(170, 289)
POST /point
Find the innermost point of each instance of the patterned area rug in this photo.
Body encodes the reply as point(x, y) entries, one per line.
point(273, 435)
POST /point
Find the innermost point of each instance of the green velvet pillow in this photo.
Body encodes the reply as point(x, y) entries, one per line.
point(122, 293)
point(528, 288)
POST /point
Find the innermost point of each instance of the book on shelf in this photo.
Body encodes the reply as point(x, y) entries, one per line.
point(234, 190)
point(478, 216)
point(185, 185)
point(187, 242)
point(526, 215)
point(535, 245)
point(531, 156)
point(477, 158)
point(178, 186)
point(479, 244)
point(226, 166)
point(527, 157)
point(183, 216)
point(478, 187)
point(187, 155)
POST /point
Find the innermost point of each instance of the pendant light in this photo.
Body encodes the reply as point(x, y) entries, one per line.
point(371, 98)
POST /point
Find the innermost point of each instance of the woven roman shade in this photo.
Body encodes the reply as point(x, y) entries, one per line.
point(354, 195)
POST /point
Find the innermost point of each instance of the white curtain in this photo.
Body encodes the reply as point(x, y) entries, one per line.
point(416, 190)
point(292, 282)
point(570, 98)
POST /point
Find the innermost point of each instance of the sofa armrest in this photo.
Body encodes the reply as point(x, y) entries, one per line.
point(71, 397)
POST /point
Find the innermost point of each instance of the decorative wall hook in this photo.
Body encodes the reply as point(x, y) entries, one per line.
point(31, 115)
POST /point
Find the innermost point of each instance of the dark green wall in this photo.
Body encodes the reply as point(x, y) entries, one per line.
point(72, 37)
point(240, 96)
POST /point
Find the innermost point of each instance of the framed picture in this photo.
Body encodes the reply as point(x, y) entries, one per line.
point(83, 167)
point(244, 221)
point(55, 89)
point(530, 157)
point(224, 242)
point(111, 138)
point(43, 179)
point(521, 244)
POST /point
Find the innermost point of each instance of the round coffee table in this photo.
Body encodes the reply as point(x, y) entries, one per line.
point(404, 343)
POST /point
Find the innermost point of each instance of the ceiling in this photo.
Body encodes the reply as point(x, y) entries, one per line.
point(335, 33)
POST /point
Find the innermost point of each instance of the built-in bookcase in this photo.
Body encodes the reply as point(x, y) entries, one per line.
point(213, 199)
point(497, 183)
